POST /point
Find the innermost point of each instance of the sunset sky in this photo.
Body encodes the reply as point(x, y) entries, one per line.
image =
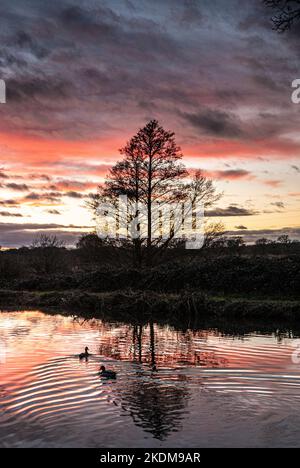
point(83, 76)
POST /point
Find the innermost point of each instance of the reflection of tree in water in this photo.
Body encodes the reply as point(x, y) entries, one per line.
point(156, 405)
point(155, 402)
point(161, 346)
point(156, 398)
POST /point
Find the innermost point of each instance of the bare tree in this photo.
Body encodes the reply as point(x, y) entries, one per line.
point(286, 13)
point(44, 241)
point(152, 175)
point(213, 232)
point(46, 253)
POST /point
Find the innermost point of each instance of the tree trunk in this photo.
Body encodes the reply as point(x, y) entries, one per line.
point(149, 210)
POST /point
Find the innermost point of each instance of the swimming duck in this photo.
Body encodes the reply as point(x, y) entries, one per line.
point(109, 374)
point(85, 354)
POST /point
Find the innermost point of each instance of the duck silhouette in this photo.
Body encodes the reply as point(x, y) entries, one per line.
point(86, 353)
point(109, 374)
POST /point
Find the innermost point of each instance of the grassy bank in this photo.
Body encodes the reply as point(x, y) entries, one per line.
point(190, 307)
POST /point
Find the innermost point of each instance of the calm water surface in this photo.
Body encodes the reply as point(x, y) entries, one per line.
point(210, 389)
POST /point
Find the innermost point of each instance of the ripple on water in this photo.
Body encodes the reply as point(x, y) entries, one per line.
point(206, 384)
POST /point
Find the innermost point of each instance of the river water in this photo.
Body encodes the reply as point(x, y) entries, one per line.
point(211, 388)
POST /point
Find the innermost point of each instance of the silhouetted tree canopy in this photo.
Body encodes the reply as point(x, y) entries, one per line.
point(152, 175)
point(286, 13)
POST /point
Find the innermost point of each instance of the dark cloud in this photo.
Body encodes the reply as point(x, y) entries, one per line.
point(25, 42)
point(33, 196)
point(3, 175)
point(8, 214)
point(266, 81)
point(233, 174)
point(231, 210)
point(24, 89)
point(296, 168)
point(49, 196)
point(9, 203)
point(38, 227)
point(228, 174)
point(17, 187)
point(215, 122)
point(53, 212)
point(39, 177)
point(241, 228)
point(16, 235)
point(279, 205)
point(72, 184)
point(73, 194)
point(100, 20)
point(257, 19)
point(190, 13)
point(84, 69)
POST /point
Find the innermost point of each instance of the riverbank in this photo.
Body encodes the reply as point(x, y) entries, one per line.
point(190, 307)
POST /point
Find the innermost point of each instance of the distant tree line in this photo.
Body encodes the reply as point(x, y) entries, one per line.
point(47, 255)
point(226, 266)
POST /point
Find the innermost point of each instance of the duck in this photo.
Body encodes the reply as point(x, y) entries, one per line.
point(109, 374)
point(86, 353)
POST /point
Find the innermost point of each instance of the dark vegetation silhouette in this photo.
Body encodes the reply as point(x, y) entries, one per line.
point(223, 266)
point(48, 254)
point(286, 13)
